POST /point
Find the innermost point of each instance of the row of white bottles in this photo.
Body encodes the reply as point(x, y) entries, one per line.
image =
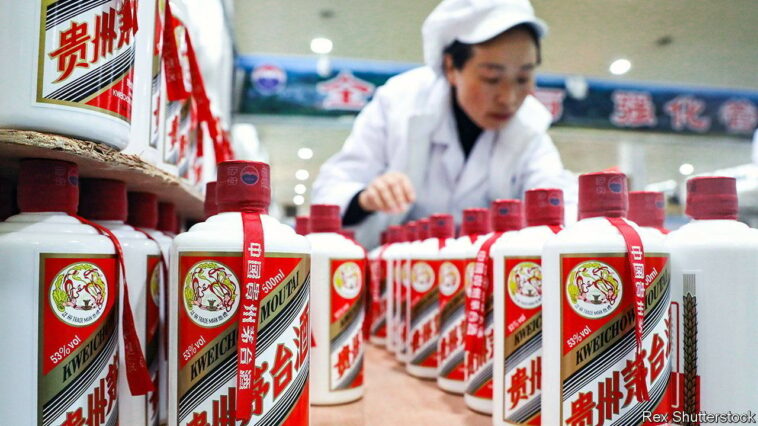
point(240, 283)
point(456, 270)
point(517, 279)
point(377, 266)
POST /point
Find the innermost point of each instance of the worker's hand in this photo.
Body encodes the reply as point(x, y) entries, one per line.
point(390, 193)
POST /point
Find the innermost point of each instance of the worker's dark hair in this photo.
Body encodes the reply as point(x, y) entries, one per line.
point(462, 52)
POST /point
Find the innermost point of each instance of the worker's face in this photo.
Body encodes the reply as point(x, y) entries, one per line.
point(494, 82)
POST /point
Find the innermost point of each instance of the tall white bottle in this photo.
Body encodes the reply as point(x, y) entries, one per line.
point(337, 312)
point(104, 201)
point(403, 271)
point(648, 209)
point(507, 218)
point(714, 287)
point(593, 369)
point(167, 229)
point(396, 241)
point(62, 305)
point(451, 375)
point(213, 315)
point(517, 274)
point(378, 278)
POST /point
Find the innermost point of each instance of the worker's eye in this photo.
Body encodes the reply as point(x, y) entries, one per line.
point(523, 80)
point(490, 80)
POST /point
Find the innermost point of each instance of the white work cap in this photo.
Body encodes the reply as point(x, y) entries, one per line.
point(472, 22)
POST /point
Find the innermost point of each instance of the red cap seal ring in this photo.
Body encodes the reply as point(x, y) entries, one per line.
point(48, 186)
point(243, 185)
point(475, 221)
point(544, 207)
point(167, 218)
point(441, 226)
point(103, 199)
point(325, 218)
point(712, 197)
point(602, 194)
point(507, 215)
point(143, 210)
point(647, 208)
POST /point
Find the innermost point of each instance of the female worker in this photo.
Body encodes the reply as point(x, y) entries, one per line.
point(457, 133)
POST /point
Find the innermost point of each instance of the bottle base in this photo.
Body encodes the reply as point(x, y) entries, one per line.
point(480, 405)
point(457, 387)
point(336, 398)
point(421, 372)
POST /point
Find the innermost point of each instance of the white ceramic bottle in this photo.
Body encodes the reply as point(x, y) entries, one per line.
point(396, 242)
point(507, 218)
point(168, 225)
point(422, 311)
point(337, 297)
point(378, 278)
point(209, 296)
point(104, 202)
point(714, 287)
point(451, 375)
point(648, 209)
point(62, 306)
point(517, 275)
point(403, 273)
point(592, 313)
point(73, 68)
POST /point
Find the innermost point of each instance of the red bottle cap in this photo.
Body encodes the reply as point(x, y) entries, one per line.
point(441, 226)
point(712, 197)
point(347, 233)
point(143, 210)
point(167, 218)
point(507, 215)
point(544, 207)
point(383, 238)
point(396, 234)
point(302, 225)
point(325, 218)
point(412, 231)
point(602, 194)
point(475, 221)
point(7, 198)
point(647, 208)
point(103, 199)
point(424, 228)
point(48, 186)
point(243, 185)
point(210, 207)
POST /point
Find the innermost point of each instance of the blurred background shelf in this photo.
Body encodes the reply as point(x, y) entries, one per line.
point(393, 397)
point(101, 161)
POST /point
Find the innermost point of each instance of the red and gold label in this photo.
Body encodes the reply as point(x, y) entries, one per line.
point(523, 340)
point(209, 298)
point(346, 314)
point(450, 348)
point(604, 378)
point(479, 365)
point(78, 362)
point(423, 321)
point(379, 304)
point(152, 335)
point(86, 55)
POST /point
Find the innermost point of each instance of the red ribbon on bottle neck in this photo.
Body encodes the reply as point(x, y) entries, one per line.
point(137, 374)
point(164, 270)
point(636, 261)
point(475, 302)
point(172, 63)
point(253, 273)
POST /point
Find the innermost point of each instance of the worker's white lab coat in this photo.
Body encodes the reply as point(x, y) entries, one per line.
point(409, 127)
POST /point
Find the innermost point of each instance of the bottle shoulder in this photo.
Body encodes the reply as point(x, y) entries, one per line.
point(527, 241)
point(331, 244)
point(713, 233)
point(598, 235)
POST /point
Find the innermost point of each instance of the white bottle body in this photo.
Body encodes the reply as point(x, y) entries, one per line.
point(714, 270)
point(47, 247)
point(337, 314)
point(523, 252)
point(77, 91)
point(596, 240)
point(283, 329)
point(142, 263)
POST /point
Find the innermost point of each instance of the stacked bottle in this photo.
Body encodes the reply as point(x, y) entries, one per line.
point(338, 298)
point(422, 307)
point(104, 201)
point(404, 274)
point(168, 228)
point(507, 218)
point(451, 375)
point(239, 310)
point(713, 279)
point(396, 244)
point(517, 274)
point(605, 313)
